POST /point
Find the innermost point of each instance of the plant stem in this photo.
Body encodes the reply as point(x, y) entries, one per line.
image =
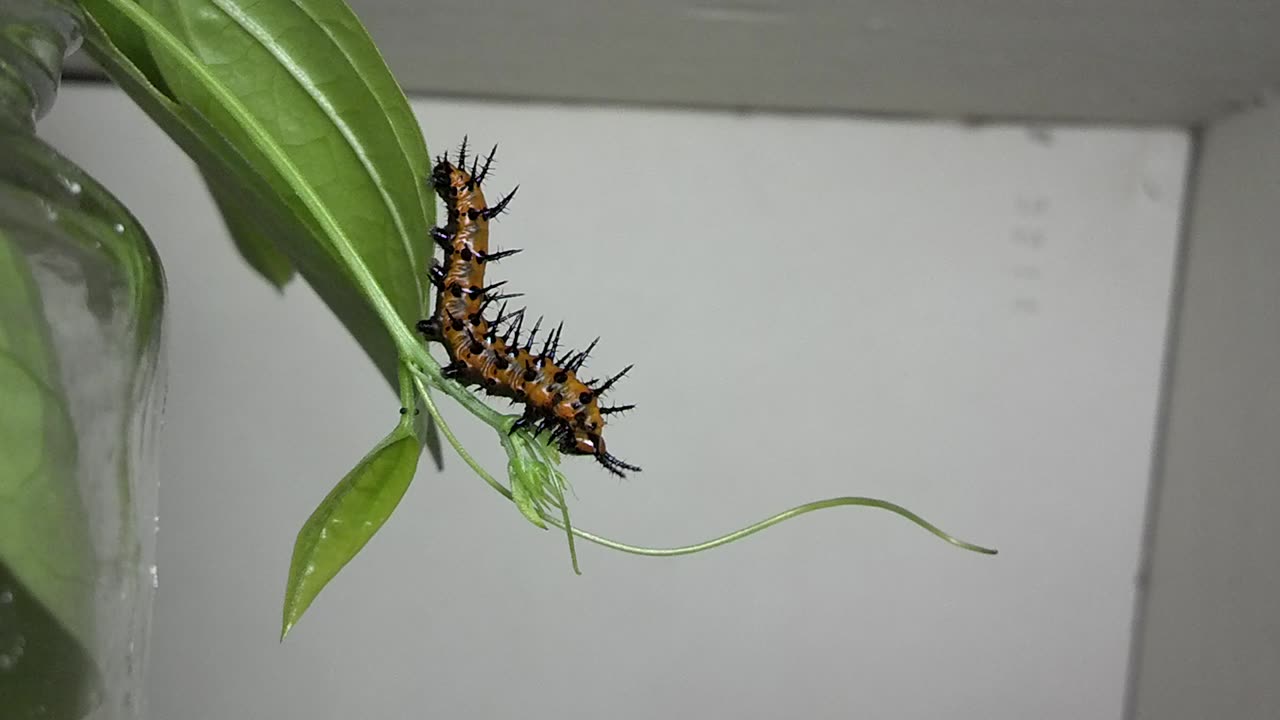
point(453, 439)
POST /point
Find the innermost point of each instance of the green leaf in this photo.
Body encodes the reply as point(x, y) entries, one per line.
point(346, 519)
point(537, 485)
point(44, 533)
point(317, 112)
point(331, 165)
point(46, 558)
point(527, 481)
point(44, 671)
point(251, 237)
point(337, 180)
point(533, 475)
point(307, 233)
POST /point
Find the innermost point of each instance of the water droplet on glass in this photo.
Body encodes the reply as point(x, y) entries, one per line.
point(119, 228)
point(73, 187)
point(155, 577)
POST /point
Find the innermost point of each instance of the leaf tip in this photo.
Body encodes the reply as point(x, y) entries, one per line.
point(292, 614)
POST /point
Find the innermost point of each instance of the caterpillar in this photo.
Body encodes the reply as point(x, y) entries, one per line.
point(491, 353)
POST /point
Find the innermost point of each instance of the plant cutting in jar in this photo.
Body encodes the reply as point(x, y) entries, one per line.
point(320, 170)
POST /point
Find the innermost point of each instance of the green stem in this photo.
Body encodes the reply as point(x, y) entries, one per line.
point(453, 439)
point(422, 364)
point(407, 400)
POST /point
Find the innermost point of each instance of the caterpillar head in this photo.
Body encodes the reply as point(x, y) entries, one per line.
point(585, 442)
point(448, 180)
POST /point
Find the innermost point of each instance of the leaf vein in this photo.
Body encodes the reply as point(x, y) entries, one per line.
point(304, 81)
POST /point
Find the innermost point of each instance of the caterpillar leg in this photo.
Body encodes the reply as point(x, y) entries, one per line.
point(456, 370)
point(430, 329)
point(525, 420)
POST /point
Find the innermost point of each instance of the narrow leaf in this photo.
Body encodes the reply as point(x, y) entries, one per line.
point(537, 485)
point(353, 511)
point(524, 483)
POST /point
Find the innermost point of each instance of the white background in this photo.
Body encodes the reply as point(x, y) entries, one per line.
point(965, 320)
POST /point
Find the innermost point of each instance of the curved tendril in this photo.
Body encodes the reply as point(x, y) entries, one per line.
point(771, 521)
point(709, 544)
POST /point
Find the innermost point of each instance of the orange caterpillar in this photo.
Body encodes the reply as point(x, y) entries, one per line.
point(555, 399)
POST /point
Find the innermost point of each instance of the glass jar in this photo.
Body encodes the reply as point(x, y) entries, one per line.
point(81, 392)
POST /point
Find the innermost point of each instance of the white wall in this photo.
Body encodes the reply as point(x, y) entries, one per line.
point(965, 320)
point(1210, 647)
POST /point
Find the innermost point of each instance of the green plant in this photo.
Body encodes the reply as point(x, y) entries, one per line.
point(310, 150)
